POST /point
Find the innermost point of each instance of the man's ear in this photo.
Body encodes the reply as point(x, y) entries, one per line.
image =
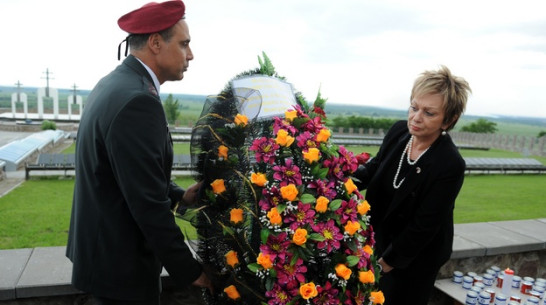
point(154, 42)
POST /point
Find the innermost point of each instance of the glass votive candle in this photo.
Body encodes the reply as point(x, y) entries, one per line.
point(467, 282)
point(457, 277)
point(516, 281)
point(500, 299)
point(488, 280)
point(471, 297)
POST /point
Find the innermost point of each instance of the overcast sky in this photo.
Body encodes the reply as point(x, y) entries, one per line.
point(364, 52)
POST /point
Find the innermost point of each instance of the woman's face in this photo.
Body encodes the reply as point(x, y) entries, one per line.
point(426, 116)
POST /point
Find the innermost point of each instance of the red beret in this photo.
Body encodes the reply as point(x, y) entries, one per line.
point(152, 17)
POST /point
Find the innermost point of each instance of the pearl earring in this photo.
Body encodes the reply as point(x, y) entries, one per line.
point(444, 132)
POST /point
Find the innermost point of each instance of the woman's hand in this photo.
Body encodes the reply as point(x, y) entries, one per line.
point(384, 266)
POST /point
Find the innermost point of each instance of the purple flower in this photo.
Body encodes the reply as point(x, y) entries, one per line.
point(287, 173)
point(348, 211)
point(348, 160)
point(331, 234)
point(276, 246)
point(334, 168)
point(270, 198)
point(280, 123)
point(278, 295)
point(290, 275)
point(305, 141)
point(313, 126)
point(265, 149)
point(323, 188)
point(302, 216)
point(327, 295)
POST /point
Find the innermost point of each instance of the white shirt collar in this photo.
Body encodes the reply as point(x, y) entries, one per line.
point(154, 77)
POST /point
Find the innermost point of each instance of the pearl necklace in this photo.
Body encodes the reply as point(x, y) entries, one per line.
point(408, 149)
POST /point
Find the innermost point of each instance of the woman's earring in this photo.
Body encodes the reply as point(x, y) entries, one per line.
point(443, 132)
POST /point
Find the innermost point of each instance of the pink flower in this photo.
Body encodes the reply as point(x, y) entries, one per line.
point(278, 295)
point(287, 173)
point(276, 246)
point(313, 126)
point(300, 217)
point(348, 161)
point(323, 188)
point(270, 198)
point(265, 149)
point(331, 234)
point(327, 295)
point(305, 141)
point(280, 123)
point(334, 168)
point(290, 275)
point(348, 211)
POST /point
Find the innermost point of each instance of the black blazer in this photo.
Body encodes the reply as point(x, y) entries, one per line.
point(417, 226)
point(122, 230)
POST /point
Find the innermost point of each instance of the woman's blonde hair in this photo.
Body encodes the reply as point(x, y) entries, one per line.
point(454, 89)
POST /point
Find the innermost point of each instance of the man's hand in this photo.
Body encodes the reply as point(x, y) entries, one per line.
point(191, 195)
point(204, 282)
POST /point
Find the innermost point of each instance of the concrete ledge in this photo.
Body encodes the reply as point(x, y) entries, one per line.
point(47, 273)
point(499, 238)
point(12, 265)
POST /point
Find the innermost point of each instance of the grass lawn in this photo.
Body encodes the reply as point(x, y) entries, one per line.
point(37, 213)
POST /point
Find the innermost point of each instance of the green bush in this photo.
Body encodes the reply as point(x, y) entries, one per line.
point(49, 125)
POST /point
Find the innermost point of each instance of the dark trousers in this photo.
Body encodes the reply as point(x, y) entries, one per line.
point(408, 286)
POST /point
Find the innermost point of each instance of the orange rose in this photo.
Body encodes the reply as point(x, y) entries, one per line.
point(300, 237)
point(343, 272)
point(363, 207)
point(289, 192)
point(350, 186)
point(241, 119)
point(311, 155)
point(366, 277)
point(232, 292)
point(231, 258)
point(308, 290)
point(218, 186)
point(323, 135)
point(264, 260)
point(322, 204)
point(222, 152)
point(283, 138)
point(351, 227)
point(377, 297)
point(274, 216)
point(368, 249)
point(258, 178)
point(236, 215)
point(290, 115)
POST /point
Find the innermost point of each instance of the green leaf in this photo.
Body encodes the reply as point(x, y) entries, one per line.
point(269, 283)
point(316, 237)
point(334, 205)
point(281, 207)
point(254, 267)
point(264, 234)
point(323, 172)
point(307, 198)
point(352, 260)
point(227, 230)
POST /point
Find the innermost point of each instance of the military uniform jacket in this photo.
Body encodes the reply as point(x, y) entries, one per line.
point(122, 231)
point(416, 227)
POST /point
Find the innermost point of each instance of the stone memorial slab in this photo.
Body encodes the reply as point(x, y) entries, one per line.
point(12, 264)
